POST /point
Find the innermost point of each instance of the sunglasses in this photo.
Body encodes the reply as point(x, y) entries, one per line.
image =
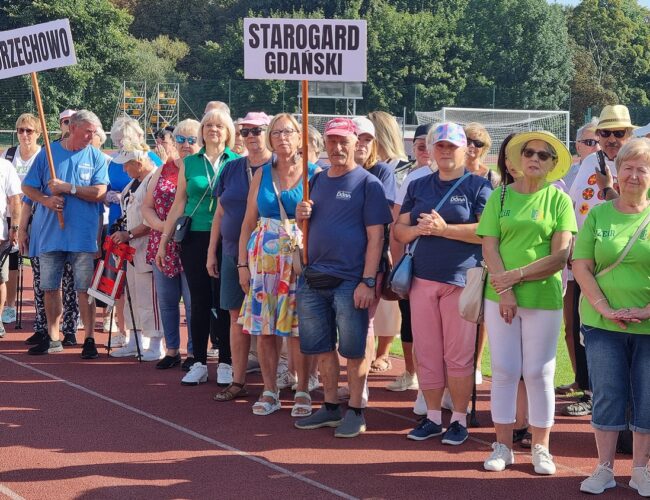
point(65, 121)
point(191, 140)
point(476, 142)
point(257, 131)
point(542, 155)
point(284, 131)
point(588, 142)
point(28, 131)
point(619, 134)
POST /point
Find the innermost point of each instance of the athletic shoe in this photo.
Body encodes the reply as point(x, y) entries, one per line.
point(108, 326)
point(425, 429)
point(600, 480)
point(404, 382)
point(312, 385)
point(117, 340)
point(456, 434)
point(187, 364)
point(198, 374)
point(640, 480)
point(80, 324)
point(580, 408)
point(321, 418)
point(478, 377)
point(46, 346)
point(69, 340)
point(224, 374)
point(89, 350)
point(9, 315)
point(500, 457)
point(285, 380)
point(253, 365)
point(2, 330)
point(169, 362)
point(420, 405)
point(351, 426)
point(35, 338)
point(543, 460)
point(213, 352)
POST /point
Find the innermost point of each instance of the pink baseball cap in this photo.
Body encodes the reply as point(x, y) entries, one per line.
point(340, 126)
point(67, 114)
point(258, 119)
point(450, 132)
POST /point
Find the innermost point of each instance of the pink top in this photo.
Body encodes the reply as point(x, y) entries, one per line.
point(163, 197)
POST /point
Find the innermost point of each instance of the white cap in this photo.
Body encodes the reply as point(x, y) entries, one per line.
point(125, 155)
point(364, 126)
point(66, 114)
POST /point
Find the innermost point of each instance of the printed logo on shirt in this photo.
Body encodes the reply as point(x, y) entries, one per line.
point(505, 213)
point(536, 214)
point(85, 172)
point(458, 199)
point(605, 233)
point(644, 234)
point(343, 195)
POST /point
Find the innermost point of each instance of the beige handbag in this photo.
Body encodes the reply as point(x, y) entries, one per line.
point(297, 251)
point(470, 303)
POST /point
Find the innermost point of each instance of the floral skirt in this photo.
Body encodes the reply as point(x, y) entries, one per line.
point(270, 304)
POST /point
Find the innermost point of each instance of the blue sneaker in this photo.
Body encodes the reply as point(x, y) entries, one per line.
point(456, 434)
point(426, 429)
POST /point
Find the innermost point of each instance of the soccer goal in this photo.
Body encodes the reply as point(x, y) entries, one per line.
point(502, 122)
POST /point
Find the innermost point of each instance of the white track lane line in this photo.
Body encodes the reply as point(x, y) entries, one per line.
point(179, 428)
point(9, 493)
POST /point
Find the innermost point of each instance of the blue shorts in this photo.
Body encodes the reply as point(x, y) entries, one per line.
point(52, 263)
point(619, 374)
point(231, 294)
point(322, 312)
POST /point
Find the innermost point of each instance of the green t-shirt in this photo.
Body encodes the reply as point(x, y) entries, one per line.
point(604, 235)
point(525, 227)
point(201, 177)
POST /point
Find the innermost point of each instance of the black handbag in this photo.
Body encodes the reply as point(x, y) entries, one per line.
point(183, 228)
point(320, 281)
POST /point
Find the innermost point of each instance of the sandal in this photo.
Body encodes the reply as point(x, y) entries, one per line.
point(301, 409)
point(263, 408)
point(234, 390)
point(380, 365)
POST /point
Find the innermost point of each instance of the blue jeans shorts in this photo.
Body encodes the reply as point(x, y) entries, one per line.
point(324, 312)
point(619, 374)
point(83, 268)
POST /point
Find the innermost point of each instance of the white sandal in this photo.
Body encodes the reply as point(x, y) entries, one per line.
point(263, 408)
point(301, 409)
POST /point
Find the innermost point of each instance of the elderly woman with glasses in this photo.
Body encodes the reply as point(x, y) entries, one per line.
point(527, 228)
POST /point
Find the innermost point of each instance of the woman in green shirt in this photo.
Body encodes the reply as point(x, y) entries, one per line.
point(615, 312)
point(197, 178)
point(527, 229)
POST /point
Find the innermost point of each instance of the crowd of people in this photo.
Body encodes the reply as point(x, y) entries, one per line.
point(217, 222)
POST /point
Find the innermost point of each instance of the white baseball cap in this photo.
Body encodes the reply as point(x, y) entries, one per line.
point(364, 126)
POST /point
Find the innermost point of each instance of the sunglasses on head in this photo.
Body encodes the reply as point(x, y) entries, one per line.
point(28, 131)
point(588, 142)
point(256, 131)
point(191, 140)
point(65, 121)
point(619, 134)
point(542, 155)
point(476, 142)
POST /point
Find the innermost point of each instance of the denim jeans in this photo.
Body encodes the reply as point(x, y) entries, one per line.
point(619, 371)
point(169, 292)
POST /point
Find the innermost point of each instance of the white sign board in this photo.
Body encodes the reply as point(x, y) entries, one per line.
point(305, 49)
point(36, 48)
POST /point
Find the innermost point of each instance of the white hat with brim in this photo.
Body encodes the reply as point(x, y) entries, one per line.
point(562, 164)
point(123, 156)
point(614, 117)
point(642, 131)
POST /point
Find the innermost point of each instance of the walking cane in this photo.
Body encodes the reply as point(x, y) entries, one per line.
point(473, 420)
point(135, 330)
point(19, 301)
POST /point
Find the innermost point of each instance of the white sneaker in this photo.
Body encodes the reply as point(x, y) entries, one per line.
point(285, 380)
point(365, 394)
point(155, 351)
point(253, 364)
point(130, 348)
point(313, 384)
point(640, 480)
point(543, 460)
point(9, 315)
point(478, 377)
point(420, 405)
point(213, 353)
point(499, 458)
point(117, 340)
point(600, 480)
point(198, 374)
point(224, 374)
point(107, 325)
point(404, 382)
point(80, 324)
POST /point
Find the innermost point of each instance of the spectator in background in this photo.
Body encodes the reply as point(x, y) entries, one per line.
point(165, 144)
point(216, 105)
point(64, 122)
point(643, 131)
point(240, 143)
point(315, 146)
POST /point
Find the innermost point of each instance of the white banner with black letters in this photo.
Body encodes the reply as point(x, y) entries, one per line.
point(305, 49)
point(36, 48)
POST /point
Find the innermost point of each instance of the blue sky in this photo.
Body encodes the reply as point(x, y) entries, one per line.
point(645, 3)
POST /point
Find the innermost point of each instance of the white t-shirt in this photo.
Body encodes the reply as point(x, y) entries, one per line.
point(415, 174)
point(584, 191)
point(9, 186)
point(21, 166)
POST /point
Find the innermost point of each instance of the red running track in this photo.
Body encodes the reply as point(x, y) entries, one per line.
point(111, 428)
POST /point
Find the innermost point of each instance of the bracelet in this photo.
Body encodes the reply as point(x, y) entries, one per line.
point(164, 234)
point(598, 302)
point(521, 275)
point(242, 265)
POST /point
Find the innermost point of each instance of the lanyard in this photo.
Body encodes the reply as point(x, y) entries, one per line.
point(215, 175)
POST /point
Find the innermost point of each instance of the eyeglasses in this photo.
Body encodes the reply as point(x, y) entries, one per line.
point(588, 142)
point(542, 155)
point(619, 134)
point(65, 121)
point(191, 140)
point(476, 142)
point(28, 131)
point(257, 131)
point(278, 133)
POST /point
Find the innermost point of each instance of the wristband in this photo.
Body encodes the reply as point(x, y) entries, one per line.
point(521, 275)
point(242, 265)
point(606, 190)
point(598, 302)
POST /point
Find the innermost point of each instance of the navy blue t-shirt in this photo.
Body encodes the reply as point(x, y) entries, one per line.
point(232, 191)
point(386, 175)
point(437, 258)
point(343, 207)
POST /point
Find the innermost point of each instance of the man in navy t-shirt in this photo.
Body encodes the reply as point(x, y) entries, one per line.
point(347, 212)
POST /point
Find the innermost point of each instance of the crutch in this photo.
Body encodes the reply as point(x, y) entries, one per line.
point(473, 420)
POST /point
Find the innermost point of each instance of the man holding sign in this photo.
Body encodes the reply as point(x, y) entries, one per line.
point(76, 192)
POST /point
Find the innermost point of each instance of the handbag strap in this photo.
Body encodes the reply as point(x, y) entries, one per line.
point(439, 205)
point(627, 248)
point(275, 182)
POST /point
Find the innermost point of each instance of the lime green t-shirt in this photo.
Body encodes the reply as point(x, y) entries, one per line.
point(525, 227)
point(604, 235)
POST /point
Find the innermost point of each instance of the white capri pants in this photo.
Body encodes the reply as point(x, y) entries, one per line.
point(527, 347)
point(145, 303)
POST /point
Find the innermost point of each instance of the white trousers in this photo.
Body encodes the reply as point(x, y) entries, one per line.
point(144, 302)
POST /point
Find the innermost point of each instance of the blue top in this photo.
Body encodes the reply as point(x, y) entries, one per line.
point(267, 202)
point(86, 167)
point(386, 175)
point(232, 191)
point(437, 258)
point(343, 207)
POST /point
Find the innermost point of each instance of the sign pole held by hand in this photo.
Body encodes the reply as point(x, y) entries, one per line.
point(305, 168)
point(46, 140)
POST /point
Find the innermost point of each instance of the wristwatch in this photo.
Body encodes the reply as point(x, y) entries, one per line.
point(131, 236)
point(73, 189)
point(369, 282)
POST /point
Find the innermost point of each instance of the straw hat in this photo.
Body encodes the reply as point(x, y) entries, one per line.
point(562, 163)
point(617, 116)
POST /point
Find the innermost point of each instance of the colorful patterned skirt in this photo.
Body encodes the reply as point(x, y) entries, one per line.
point(270, 304)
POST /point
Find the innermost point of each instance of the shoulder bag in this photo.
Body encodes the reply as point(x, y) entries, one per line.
point(184, 222)
point(296, 252)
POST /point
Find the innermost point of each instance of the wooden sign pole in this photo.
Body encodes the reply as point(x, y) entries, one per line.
point(305, 168)
point(46, 140)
